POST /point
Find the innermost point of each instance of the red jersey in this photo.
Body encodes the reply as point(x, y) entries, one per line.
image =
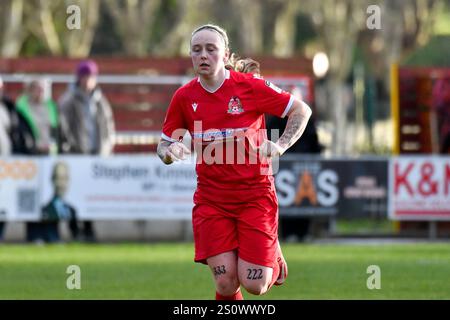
point(228, 124)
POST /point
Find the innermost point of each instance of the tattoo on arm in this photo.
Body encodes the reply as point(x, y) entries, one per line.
point(254, 274)
point(218, 270)
point(295, 127)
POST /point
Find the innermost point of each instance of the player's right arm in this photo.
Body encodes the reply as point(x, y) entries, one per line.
point(170, 148)
point(163, 151)
point(169, 152)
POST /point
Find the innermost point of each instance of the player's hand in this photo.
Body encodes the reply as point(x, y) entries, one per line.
point(177, 151)
point(269, 149)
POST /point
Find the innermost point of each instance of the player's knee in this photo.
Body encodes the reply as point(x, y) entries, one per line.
point(256, 287)
point(227, 285)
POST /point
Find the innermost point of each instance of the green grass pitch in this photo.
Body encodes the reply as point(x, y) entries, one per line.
point(167, 271)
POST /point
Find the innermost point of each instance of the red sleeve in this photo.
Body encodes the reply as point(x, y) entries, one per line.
point(174, 126)
point(271, 99)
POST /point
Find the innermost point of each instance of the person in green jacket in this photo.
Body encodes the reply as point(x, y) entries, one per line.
point(41, 114)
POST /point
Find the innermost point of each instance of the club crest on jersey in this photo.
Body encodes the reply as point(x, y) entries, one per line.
point(194, 106)
point(235, 106)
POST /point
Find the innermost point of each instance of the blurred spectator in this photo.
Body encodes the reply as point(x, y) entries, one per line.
point(15, 133)
point(441, 97)
point(309, 141)
point(5, 140)
point(5, 127)
point(295, 227)
point(290, 227)
point(86, 120)
point(41, 114)
point(86, 116)
point(21, 138)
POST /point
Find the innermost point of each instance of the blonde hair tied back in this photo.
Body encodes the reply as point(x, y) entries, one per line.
point(244, 65)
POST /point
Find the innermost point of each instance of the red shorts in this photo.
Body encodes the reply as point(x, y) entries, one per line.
point(244, 220)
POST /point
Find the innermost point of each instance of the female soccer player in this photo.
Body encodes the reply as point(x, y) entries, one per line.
point(235, 215)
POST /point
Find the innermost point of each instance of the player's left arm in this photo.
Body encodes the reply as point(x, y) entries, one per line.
point(298, 116)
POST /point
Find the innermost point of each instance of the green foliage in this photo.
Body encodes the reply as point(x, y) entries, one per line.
point(164, 20)
point(32, 47)
point(434, 54)
point(442, 25)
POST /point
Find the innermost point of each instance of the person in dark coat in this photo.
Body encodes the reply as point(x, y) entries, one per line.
point(87, 121)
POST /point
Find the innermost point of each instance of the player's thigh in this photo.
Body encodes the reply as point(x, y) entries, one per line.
point(224, 270)
point(254, 277)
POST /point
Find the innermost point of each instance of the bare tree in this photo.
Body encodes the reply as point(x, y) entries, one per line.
point(11, 27)
point(78, 43)
point(47, 21)
point(134, 19)
point(406, 24)
point(190, 14)
point(338, 23)
point(249, 16)
point(284, 33)
point(341, 25)
point(45, 28)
